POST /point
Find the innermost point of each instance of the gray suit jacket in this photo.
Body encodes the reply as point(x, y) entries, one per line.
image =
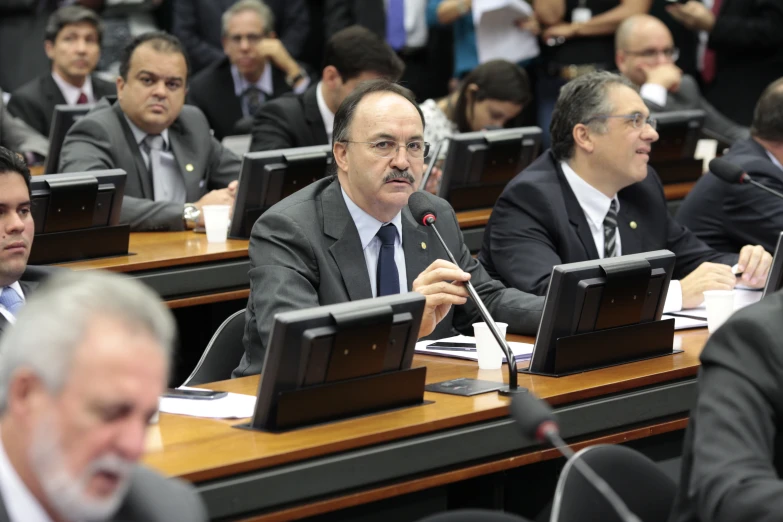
point(31, 278)
point(306, 252)
point(152, 498)
point(716, 125)
point(103, 140)
point(17, 136)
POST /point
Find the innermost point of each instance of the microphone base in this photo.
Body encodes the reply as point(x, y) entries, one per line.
point(506, 392)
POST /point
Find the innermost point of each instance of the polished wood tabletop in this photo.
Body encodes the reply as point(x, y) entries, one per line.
point(202, 449)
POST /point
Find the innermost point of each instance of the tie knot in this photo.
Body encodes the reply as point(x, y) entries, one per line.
point(387, 234)
point(154, 141)
point(612, 212)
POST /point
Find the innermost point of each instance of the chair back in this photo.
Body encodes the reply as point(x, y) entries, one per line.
point(222, 354)
point(646, 490)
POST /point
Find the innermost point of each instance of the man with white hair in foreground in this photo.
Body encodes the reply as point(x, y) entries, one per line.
point(80, 376)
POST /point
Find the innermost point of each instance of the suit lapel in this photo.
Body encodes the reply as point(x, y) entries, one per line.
point(225, 93)
point(630, 238)
point(313, 115)
point(52, 91)
point(3, 513)
point(347, 249)
point(413, 237)
point(141, 168)
point(182, 147)
point(576, 216)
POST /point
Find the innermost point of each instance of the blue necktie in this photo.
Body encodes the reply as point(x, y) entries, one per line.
point(388, 279)
point(11, 300)
point(395, 24)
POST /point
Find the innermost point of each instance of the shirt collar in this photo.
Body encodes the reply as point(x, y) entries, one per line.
point(326, 114)
point(139, 134)
point(19, 502)
point(774, 159)
point(71, 92)
point(595, 204)
point(367, 225)
point(264, 83)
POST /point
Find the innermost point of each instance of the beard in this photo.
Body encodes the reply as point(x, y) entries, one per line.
point(67, 494)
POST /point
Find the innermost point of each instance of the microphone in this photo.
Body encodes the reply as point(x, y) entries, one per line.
point(731, 173)
point(423, 213)
point(537, 421)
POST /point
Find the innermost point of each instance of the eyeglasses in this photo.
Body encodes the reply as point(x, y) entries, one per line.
point(388, 148)
point(638, 119)
point(252, 38)
point(672, 53)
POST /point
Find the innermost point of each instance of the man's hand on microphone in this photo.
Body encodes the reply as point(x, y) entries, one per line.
point(442, 284)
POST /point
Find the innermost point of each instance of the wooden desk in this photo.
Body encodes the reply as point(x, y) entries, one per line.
point(320, 469)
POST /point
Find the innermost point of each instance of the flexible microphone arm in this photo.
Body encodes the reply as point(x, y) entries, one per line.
point(513, 386)
point(747, 179)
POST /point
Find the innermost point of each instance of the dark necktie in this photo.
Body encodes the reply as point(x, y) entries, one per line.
point(254, 98)
point(610, 231)
point(82, 99)
point(388, 279)
point(708, 69)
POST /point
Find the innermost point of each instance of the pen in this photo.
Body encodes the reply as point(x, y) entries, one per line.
point(454, 349)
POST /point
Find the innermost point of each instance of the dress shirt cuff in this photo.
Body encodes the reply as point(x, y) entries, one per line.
point(303, 85)
point(654, 93)
point(673, 298)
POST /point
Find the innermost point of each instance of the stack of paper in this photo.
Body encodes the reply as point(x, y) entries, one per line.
point(522, 351)
point(232, 406)
point(497, 36)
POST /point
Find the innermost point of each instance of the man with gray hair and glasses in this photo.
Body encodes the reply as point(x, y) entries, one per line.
point(594, 196)
point(80, 377)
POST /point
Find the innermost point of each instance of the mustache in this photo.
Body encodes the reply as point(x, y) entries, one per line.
point(399, 174)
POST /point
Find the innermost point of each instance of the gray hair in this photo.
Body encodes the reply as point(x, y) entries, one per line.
point(55, 320)
point(579, 100)
point(257, 6)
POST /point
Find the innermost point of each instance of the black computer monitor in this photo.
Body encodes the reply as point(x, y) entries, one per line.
point(775, 275)
point(478, 165)
point(342, 343)
point(601, 294)
point(77, 215)
point(62, 120)
point(267, 177)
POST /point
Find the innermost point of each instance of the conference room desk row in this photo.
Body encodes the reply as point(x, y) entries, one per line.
point(405, 463)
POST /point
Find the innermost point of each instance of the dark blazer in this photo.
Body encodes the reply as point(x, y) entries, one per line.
point(212, 91)
point(31, 278)
point(537, 223)
point(728, 217)
point(103, 140)
point(17, 136)
point(198, 24)
point(152, 498)
point(748, 44)
point(289, 121)
point(716, 125)
point(306, 252)
point(732, 459)
point(343, 13)
point(34, 101)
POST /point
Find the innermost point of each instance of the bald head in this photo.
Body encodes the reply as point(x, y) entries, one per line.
point(643, 42)
point(638, 28)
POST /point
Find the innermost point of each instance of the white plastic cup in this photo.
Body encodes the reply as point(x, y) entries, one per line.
point(720, 306)
point(216, 222)
point(490, 355)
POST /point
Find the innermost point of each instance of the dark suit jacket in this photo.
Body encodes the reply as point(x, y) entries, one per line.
point(716, 125)
point(212, 91)
point(343, 13)
point(733, 453)
point(34, 102)
point(306, 252)
point(151, 498)
point(31, 278)
point(748, 44)
point(198, 24)
point(103, 140)
point(17, 136)
point(537, 223)
point(728, 217)
point(289, 121)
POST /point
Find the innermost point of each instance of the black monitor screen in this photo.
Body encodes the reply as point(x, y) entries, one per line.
point(678, 134)
point(775, 275)
point(478, 165)
point(62, 120)
point(600, 294)
point(268, 177)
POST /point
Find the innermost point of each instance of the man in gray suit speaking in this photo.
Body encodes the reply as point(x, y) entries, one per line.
point(352, 236)
point(80, 377)
point(646, 55)
point(174, 165)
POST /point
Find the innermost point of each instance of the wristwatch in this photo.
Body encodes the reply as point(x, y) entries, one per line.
point(293, 80)
point(190, 215)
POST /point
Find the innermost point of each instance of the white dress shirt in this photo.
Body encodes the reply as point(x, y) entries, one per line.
point(654, 93)
point(19, 502)
point(368, 227)
point(265, 84)
point(595, 204)
point(326, 114)
point(5, 313)
point(774, 160)
point(168, 185)
point(71, 93)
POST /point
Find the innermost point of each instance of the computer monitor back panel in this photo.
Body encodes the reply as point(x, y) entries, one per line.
point(775, 275)
point(678, 134)
point(62, 120)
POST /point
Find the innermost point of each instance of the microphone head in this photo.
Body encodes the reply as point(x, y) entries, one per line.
point(533, 415)
point(421, 209)
point(727, 171)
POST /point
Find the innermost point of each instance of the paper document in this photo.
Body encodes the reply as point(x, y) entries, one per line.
point(522, 351)
point(497, 36)
point(232, 406)
point(686, 323)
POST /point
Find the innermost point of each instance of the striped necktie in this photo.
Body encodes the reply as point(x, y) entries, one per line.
point(610, 231)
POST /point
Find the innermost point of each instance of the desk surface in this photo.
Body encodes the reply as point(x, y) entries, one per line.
point(203, 449)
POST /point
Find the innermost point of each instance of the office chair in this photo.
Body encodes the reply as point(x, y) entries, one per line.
point(641, 484)
point(222, 354)
point(473, 515)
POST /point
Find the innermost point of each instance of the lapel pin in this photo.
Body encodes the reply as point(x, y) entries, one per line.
point(633, 225)
point(423, 245)
point(189, 167)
